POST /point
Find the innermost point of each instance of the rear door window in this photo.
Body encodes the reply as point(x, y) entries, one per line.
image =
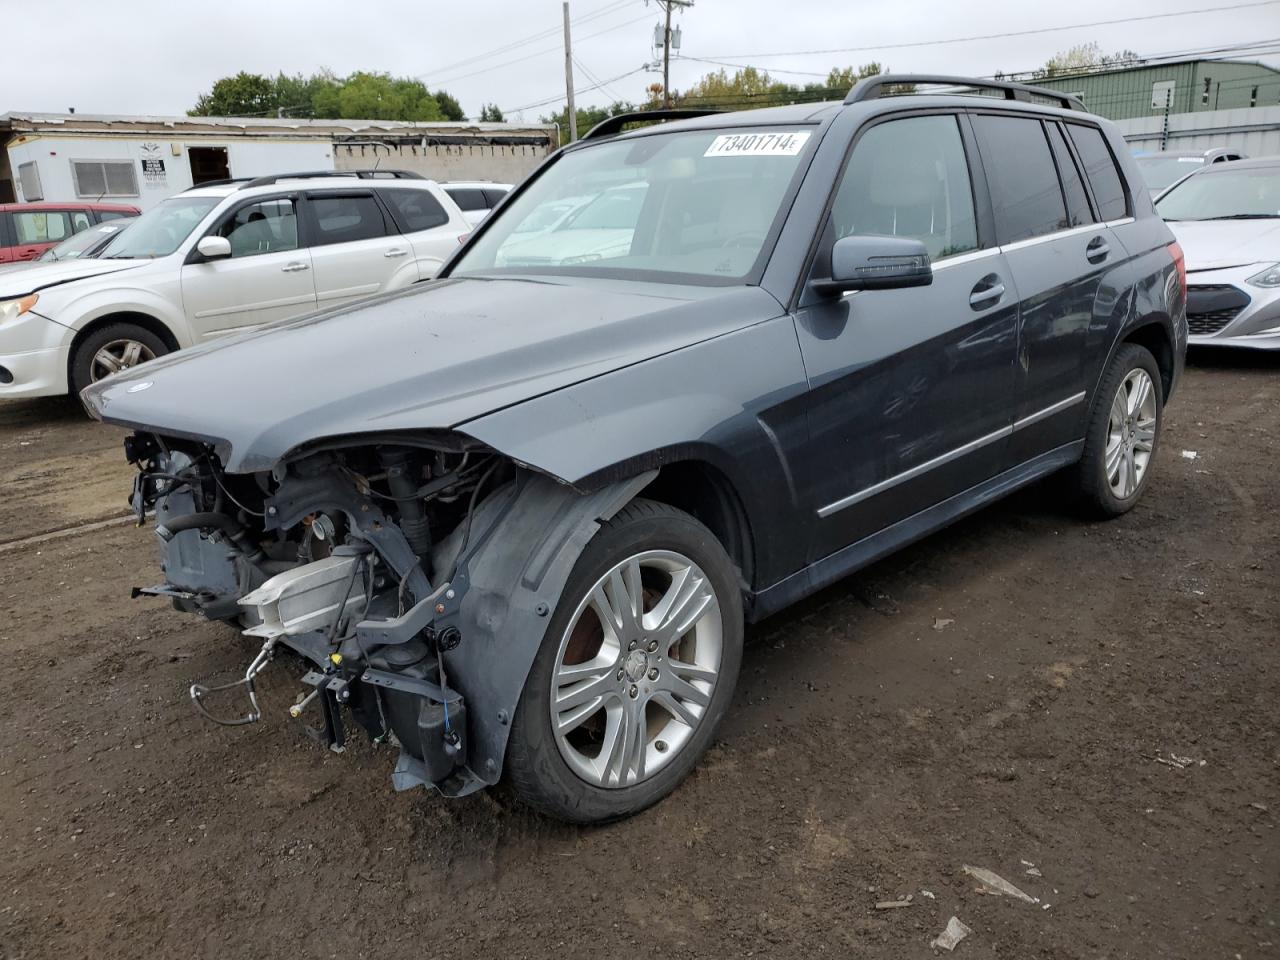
point(415, 209)
point(345, 218)
point(42, 226)
point(1101, 170)
point(1078, 211)
point(468, 198)
point(1025, 193)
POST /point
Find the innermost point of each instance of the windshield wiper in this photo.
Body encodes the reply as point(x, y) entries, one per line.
point(1242, 216)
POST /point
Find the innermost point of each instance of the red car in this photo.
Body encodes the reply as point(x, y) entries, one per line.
point(29, 229)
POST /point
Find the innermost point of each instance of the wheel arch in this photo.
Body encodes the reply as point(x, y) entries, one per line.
point(1153, 334)
point(144, 320)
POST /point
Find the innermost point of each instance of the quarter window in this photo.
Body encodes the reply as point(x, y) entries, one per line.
point(417, 209)
point(270, 226)
point(1025, 193)
point(1100, 167)
point(469, 199)
point(1072, 187)
point(909, 178)
point(43, 226)
point(346, 218)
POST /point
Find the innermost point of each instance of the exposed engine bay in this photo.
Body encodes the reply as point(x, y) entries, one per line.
point(359, 561)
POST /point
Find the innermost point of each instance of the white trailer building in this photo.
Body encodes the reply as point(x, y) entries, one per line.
point(143, 160)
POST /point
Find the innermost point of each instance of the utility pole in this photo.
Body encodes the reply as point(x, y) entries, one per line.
point(666, 5)
point(568, 75)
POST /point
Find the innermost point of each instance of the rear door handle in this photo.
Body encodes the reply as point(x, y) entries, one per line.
point(294, 267)
point(395, 252)
point(986, 292)
point(1097, 250)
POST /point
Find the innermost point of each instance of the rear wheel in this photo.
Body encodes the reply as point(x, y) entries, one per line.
point(635, 672)
point(1123, 433)
point(111, 349)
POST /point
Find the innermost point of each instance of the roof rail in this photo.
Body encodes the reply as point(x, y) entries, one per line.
point(216, 183)
point(324, 174)
point(873, 88)
point(612, 126)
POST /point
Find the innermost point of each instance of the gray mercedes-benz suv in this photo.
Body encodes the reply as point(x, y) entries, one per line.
point(686, 374)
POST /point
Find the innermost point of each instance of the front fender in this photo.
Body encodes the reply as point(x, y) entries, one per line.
point(528, 539)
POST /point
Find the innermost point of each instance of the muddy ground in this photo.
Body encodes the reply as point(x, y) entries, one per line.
point(997, 695)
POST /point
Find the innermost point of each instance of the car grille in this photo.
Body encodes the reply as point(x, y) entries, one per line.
point(1210, 307)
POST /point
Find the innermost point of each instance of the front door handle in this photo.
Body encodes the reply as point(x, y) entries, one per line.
point(986, 292)
point(294, 267)
point(395, 252)
point(1097, 250)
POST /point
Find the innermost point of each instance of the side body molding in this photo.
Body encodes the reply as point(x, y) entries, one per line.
point(526, 540)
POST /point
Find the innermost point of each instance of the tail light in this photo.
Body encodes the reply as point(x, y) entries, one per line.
point(1180, 263)
point(466, 236)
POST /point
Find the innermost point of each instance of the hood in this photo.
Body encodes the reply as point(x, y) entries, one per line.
point(1217, 244)
point(38, 276)
point(427, 358)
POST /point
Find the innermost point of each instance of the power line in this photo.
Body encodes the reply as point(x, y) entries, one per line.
point(1000, 36)
point(576, 92)
point(587, 17)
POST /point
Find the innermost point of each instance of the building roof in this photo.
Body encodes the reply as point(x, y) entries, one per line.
point(23, 122)
point(1134, 66)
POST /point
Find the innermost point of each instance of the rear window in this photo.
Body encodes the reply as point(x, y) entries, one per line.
point(1023, 180)
point(468, 198)
point(345, 219)
point(1101, 170)
point(416, 209)
point(493, 197)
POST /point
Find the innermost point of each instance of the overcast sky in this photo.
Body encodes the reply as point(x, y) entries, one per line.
point(127, 57)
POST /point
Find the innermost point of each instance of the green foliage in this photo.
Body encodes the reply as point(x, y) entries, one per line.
point(749, 88)
point(245, 94)
point(1082, 59)
point(360, 96)
point(490, 113)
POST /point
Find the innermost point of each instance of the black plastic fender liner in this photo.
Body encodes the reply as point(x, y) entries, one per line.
point(525, 549)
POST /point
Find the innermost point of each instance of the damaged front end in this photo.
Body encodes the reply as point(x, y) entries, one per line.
point(356, 560)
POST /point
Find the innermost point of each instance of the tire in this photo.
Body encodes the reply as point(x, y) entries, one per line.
point(132, 340)
point(676, 559)
point(1133, 438)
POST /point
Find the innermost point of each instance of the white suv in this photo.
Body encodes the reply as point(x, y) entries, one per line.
point(217, 259)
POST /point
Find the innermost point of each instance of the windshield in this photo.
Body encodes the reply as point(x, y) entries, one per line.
point(1228, 192)
point(77, 246)
point(1159, 172)
point(700, 205)
point(161, 230)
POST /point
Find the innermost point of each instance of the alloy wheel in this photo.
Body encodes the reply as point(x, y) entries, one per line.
point(636, 668)
point(1131, 433)
point(118, 355)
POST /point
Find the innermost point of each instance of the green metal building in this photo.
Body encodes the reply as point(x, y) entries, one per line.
point(1141, 90)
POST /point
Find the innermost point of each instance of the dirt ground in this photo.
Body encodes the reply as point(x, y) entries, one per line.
point(999, 695)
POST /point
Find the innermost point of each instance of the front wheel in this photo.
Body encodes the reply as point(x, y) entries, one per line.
point(635, 672)
point(111, 349)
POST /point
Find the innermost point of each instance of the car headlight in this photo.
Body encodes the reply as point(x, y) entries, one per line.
point(1269, 277)
point(13, 309)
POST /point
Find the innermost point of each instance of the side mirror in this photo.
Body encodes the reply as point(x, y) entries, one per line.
point(875, 263)
point(214, 248)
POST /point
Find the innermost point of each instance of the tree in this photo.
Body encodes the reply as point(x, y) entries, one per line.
point(360, 96)
point(490, 113)
point(1083, 58)
point(244, 95)
point(450, 109)
point(587, 117)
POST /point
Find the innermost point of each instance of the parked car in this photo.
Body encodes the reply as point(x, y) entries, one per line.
point(1227, 219)
point(84, 245)
point(29, 229)
point(221, 259)
point(476, 197)
point(518, 516)
point(1163, 169)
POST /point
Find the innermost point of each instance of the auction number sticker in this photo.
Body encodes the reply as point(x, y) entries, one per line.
point(786, 143)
